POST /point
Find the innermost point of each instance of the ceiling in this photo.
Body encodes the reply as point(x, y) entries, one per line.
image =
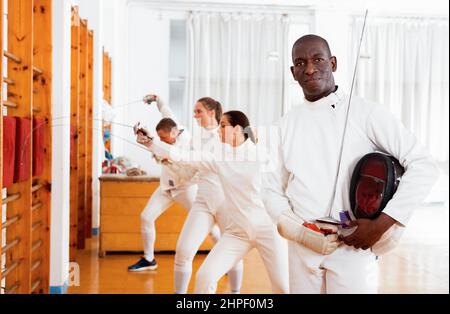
point(413, 6)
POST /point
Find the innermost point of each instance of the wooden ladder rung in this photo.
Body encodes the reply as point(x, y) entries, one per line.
point(10, 245)
point(36, 264)
point(36, 225)
point(9, 104)
point(35, 284)
point(9, 81)
point(11, 198)
point(37, 70)
point(13, 288)
point(36, 187)
point(10, 221)
point(10, 268)
point(12, 57)
point(36, 206)
point(36, 245)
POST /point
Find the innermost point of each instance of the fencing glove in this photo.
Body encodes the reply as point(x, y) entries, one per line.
point(389, 240)
point(291, 227)
point(143, 139)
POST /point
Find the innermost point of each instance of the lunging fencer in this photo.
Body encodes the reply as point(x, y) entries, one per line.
point(239, 166)
point(307, 147)
point(207, 208)
point(177, 184)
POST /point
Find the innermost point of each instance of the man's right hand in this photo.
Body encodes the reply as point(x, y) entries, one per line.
point(148, 99)
point(291, 227)
point(143, 139)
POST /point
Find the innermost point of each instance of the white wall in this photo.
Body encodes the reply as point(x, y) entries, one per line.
point(115, 38)
point(93, 12)
point(335, 27)
point(60, 197)
point(147, 62)
point(60, 214)
point(387, 7)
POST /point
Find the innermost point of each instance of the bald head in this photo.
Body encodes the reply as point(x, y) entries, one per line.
point(307, 39)
point(313, 66)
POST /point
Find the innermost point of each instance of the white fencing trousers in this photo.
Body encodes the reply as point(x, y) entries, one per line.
point(158, 203)
point(198, 224)
point(346, 270)
point(233, 246)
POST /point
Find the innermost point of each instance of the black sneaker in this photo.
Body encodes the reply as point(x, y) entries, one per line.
point(143, 264)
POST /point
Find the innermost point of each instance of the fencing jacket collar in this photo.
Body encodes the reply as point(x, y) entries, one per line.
point(330, 101)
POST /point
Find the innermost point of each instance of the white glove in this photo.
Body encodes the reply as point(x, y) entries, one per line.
point(148, 99)
point(291, 227)
point(138, 128)
point(143, 139)
point(388, 240)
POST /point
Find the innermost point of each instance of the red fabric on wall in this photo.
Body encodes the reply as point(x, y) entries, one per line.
point(23, 150)
point(38, 146)
point(9, 152)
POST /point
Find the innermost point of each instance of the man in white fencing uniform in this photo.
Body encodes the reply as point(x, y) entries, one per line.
point(306, 147)
point(177, 184)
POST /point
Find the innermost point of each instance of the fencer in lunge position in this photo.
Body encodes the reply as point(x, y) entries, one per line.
point(249, 225)
point(307, 145)
point(176, 185)
point(206, 209)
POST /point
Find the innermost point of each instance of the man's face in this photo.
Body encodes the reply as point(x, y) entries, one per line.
point(168, 137)
point(313, 69)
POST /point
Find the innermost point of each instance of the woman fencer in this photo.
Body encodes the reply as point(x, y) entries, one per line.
point(206, 209)
point(239, 166)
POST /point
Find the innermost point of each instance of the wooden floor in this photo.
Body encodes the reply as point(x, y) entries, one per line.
point(419, 265)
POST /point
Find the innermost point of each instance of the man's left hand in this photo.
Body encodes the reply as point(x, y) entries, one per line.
point(368, 231)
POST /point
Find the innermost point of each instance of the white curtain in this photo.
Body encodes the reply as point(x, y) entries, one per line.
point(238, 59)
point(404, 64)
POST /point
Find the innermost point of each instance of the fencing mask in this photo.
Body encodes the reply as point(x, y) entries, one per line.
point(374, 181)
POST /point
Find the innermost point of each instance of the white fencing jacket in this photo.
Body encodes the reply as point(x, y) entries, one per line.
point(240, 172)
point(306, 146)
point(210, 189)
point(173, 176)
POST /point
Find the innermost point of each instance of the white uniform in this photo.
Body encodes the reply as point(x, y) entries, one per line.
point(248, 224)
point(177, 184)
point(307, 144)
point(202, 218)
